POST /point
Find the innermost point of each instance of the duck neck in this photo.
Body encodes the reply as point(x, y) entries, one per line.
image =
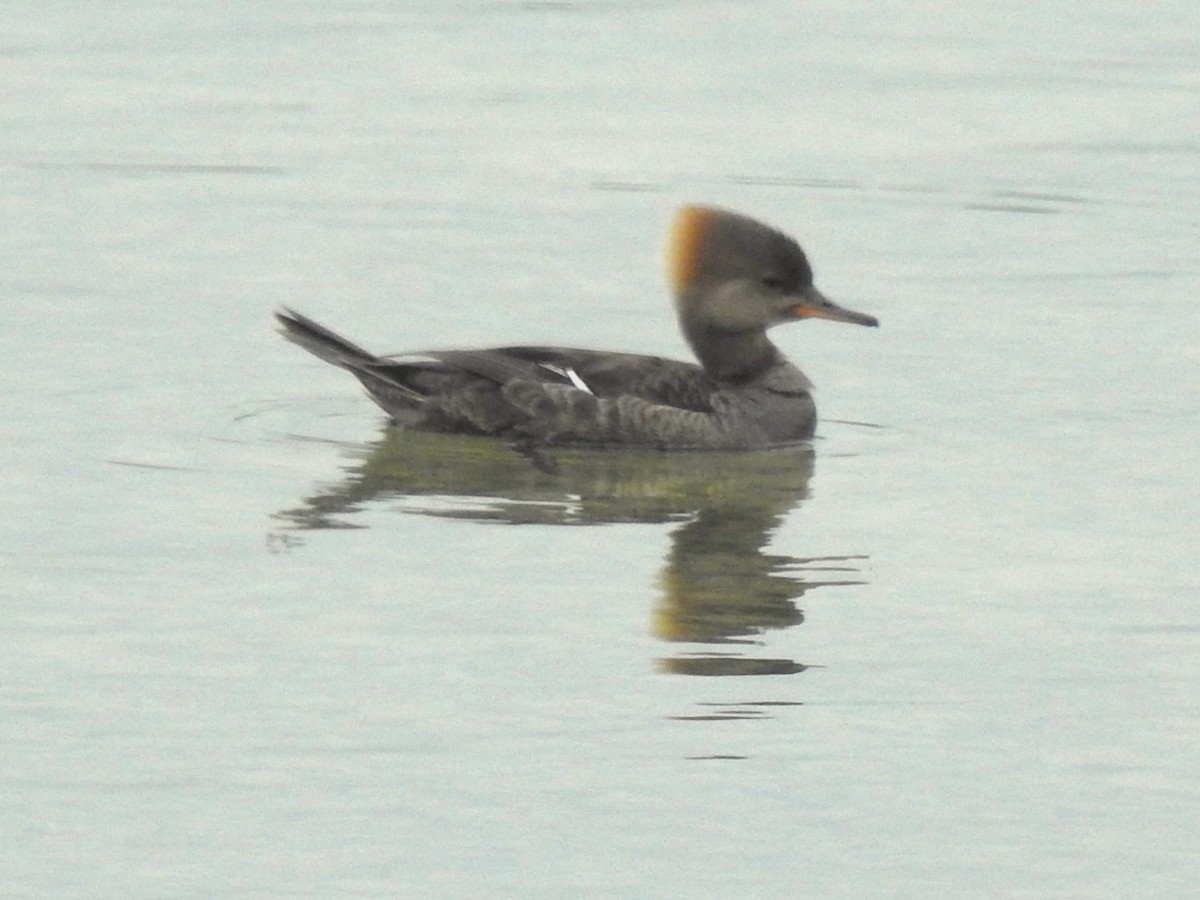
point(733, 356)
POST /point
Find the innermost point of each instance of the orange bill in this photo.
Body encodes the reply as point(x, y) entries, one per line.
point(815, 305)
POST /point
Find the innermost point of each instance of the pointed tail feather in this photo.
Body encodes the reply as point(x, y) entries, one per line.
point(377, 376)
point(320, 341)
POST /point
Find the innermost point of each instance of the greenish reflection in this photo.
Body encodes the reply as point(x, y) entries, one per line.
point(718, 585)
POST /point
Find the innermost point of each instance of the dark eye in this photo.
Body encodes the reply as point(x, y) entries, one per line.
point(772, 282)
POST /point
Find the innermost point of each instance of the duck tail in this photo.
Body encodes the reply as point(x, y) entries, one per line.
point(320, 341)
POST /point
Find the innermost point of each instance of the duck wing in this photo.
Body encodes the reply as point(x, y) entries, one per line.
point(667, 382)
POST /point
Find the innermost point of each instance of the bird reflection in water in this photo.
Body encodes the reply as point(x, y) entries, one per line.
point(719, 587)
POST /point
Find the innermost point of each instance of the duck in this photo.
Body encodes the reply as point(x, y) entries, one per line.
point(732, 278)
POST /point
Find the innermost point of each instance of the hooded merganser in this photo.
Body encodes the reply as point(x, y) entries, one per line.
point(733, 278)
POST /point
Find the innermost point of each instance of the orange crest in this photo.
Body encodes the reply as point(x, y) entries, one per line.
point(688, 236)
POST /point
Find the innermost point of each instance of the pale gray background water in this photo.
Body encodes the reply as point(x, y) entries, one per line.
point(199, 698)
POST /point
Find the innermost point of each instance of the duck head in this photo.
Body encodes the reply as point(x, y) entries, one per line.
point(733, 278)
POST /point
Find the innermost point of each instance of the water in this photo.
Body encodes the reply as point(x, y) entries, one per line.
point(254, 646)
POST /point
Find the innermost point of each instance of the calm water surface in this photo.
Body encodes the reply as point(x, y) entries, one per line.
point(257, 646)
